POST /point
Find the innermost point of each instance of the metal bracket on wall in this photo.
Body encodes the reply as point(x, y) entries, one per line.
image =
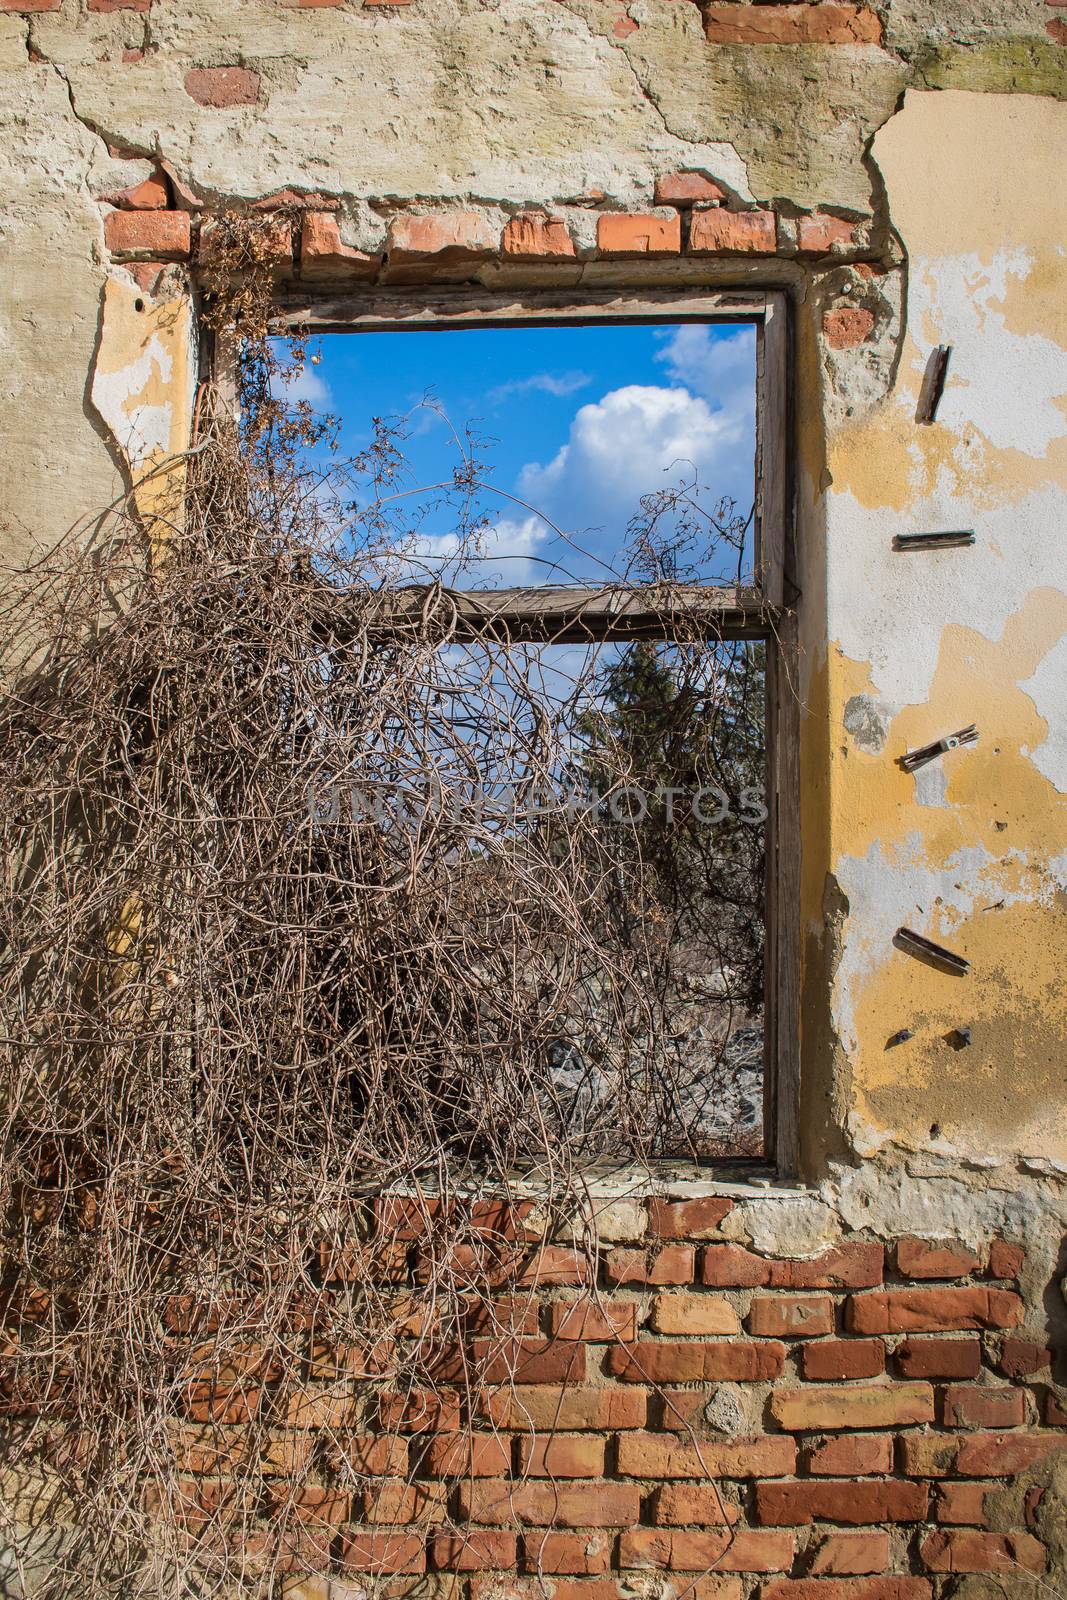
point(933, 383)
point(926, 950)
point(912, 760)
point(933, 541)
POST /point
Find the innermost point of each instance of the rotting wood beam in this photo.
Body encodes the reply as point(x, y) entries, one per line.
point(564, 615)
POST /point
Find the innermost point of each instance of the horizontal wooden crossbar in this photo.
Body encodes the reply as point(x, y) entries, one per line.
point(563, 615)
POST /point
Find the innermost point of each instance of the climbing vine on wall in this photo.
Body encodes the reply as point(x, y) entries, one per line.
point(301, 1092)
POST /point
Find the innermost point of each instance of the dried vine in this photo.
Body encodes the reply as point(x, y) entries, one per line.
point(294, 1084)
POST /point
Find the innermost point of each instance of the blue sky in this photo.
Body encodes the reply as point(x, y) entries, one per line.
point(576, 422)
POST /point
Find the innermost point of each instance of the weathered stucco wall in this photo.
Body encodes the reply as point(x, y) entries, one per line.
point(902, 170)
point(944, 210)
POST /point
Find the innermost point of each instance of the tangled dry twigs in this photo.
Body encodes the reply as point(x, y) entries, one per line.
point(298, 1017)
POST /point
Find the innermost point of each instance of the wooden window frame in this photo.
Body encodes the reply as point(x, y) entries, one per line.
point(768, 610)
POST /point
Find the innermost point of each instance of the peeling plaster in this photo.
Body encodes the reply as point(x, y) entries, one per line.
point(1001, 383)
point(1047, 688)
point(142, 386)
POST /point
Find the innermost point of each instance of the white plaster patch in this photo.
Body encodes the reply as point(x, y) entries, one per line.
point(800, 1227)
point(1003, 383)
point(1047, 688)
point(141, 430)
point(889, 607)
point(931, 785)
point(896, 885)
point(889, 1201)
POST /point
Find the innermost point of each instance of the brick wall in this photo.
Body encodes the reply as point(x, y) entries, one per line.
point(695, 222)
point(850, 1424)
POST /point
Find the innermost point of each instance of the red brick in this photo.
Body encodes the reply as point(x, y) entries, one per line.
point(1057, 31)
point(312, 1504)
point(603, 1589)
point(758, 1550)
point(453, 236)
point(599, 1321)
point(686, 189)
point(976, 1455)
point(373, 1550)
point(503, 1315)
point(969, 1550)
point(555, 1265)
point(501, 1219)
point(320, 1408)
point(917, 1310)
point(680, 1410)
point(818, 234)
point(695, 1362)
point(474, 1551)
point(420, 1411)
point(857, 1265)
point(1000, 1455)
point(846, 326)
point(1021, 1357)
point(717, 232)
point(962, 1502)
point(369, 1455)
point(673, 1264)
point(152, 194)
point(362, 1263)
point(887, 1588)
point(813, 23)
point(1006, 1260)
point(687, 1219)
point(694, 1314)
point(655, 1455)
point(845, 1553)
point(677, 1550)
point(550, 1407)
point(473, 1455)
point(535, 237)
point(683, 1550)
point(146, 274)
point(408, 1217)
point(529, 1360)
point(731, 1266)
point(322, 255)
point(853, 1455)
point(566, 1553)
point(568, 1505)
point(966, 1407)
point(394, 1500)
point(684, 1505)
point(791, 1316)
point(841, 1500)
point(561, 1455)
point(163, 234)
point(843, 1358)
point(921, 1258)
point(939, 1358)
point(629, 234)
point(1055, 1411)
point(222, 88)
point(853, 1406)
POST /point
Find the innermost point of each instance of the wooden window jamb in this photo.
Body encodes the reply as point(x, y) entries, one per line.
point(575, 614)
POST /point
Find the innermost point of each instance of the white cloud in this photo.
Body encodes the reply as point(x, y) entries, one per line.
point(558, 384)
point(633, 442)
point(503, 553)
point(722, 370)
point(306, 384)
